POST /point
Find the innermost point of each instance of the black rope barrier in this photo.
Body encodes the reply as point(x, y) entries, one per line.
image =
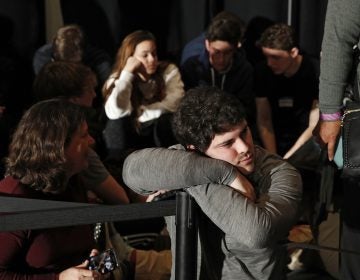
point(24, 213)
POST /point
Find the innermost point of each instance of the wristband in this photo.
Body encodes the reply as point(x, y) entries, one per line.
point(330, 117)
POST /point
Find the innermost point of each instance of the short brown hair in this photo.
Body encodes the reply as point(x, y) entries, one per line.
point(63, 79)
point(69, 43)
point(224, 29)
point(279, 36)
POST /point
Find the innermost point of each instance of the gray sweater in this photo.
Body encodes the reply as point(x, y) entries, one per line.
point(342, 32)
point(239, 238)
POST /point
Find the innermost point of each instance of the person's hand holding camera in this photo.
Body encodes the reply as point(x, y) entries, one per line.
point(81, 271)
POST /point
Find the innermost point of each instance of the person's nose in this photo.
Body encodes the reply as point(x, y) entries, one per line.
point(220, 57)
point(270, 62)
point(151, 58)
point(241, 146)
point(91, 140)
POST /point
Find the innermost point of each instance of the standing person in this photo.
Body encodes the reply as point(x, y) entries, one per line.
point(221, 64)
point(48, 151)
point(341, 34)
point(286, 88)
point(140, 95)
point(249, 196)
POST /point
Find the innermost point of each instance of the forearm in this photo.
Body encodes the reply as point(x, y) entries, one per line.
point(254, 225)
point(267, 137)
point(305, 136)
point(118, 104)
point(149, 170)
point(111, 192)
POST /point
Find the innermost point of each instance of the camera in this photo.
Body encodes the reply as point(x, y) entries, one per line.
point(104, 262)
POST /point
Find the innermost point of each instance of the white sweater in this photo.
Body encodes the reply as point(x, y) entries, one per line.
point(118, 104)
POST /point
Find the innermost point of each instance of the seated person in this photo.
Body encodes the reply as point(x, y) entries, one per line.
point(249, 196)
point(286, 87)
point(197, 45)
point(140, 95)
point(222, 65)
point(69, 44)
point(76, 83)
point(52, 135)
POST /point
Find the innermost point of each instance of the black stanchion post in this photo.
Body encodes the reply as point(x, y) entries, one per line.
point(186, 237)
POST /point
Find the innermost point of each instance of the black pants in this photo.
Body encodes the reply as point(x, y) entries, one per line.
point(120, 135)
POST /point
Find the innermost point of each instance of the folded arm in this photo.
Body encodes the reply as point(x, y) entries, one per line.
point(118, 104)
point(149, 170)
point(256, 225)
point(174, 90)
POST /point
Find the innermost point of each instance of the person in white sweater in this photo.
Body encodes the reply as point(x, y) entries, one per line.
point(140, 95)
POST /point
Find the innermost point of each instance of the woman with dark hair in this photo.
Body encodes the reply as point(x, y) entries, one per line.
point(139, 94)
point(48, 151)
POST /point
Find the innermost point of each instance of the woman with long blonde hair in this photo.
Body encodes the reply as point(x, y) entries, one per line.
point(140, 95)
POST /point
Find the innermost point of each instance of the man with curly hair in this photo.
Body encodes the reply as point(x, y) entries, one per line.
point(250, 197)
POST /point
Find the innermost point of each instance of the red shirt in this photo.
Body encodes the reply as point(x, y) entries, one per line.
point(42, 253)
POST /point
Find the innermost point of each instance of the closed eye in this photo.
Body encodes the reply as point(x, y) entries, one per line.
point(244, 132)
point(227, 143)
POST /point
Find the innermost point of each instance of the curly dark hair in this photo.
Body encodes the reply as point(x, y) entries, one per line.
point(279, 36)
point(37, 151)
point(204, 112)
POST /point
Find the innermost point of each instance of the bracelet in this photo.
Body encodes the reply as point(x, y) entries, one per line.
point(330, 117)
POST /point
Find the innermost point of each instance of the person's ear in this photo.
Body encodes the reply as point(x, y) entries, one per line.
point(190, 147)
point(74, 99)
point(207, 45)
point(294, 52)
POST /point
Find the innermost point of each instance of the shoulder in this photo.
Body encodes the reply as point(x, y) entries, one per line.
point(170, 71)
point(177, 147)
point(9, 185)
point(311, 64)
point(267, 163)
point(195, 47)
point(12, 187)
point(45, 50)
point(196, 60)
point(273, 174)
point(241, 62)
point(96, 170)
point(169, 68)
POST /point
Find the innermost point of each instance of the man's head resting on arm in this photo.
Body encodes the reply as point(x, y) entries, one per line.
point(213, 122)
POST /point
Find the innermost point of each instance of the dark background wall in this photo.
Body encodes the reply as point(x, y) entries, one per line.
point(107, 22)
point(174, 22)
